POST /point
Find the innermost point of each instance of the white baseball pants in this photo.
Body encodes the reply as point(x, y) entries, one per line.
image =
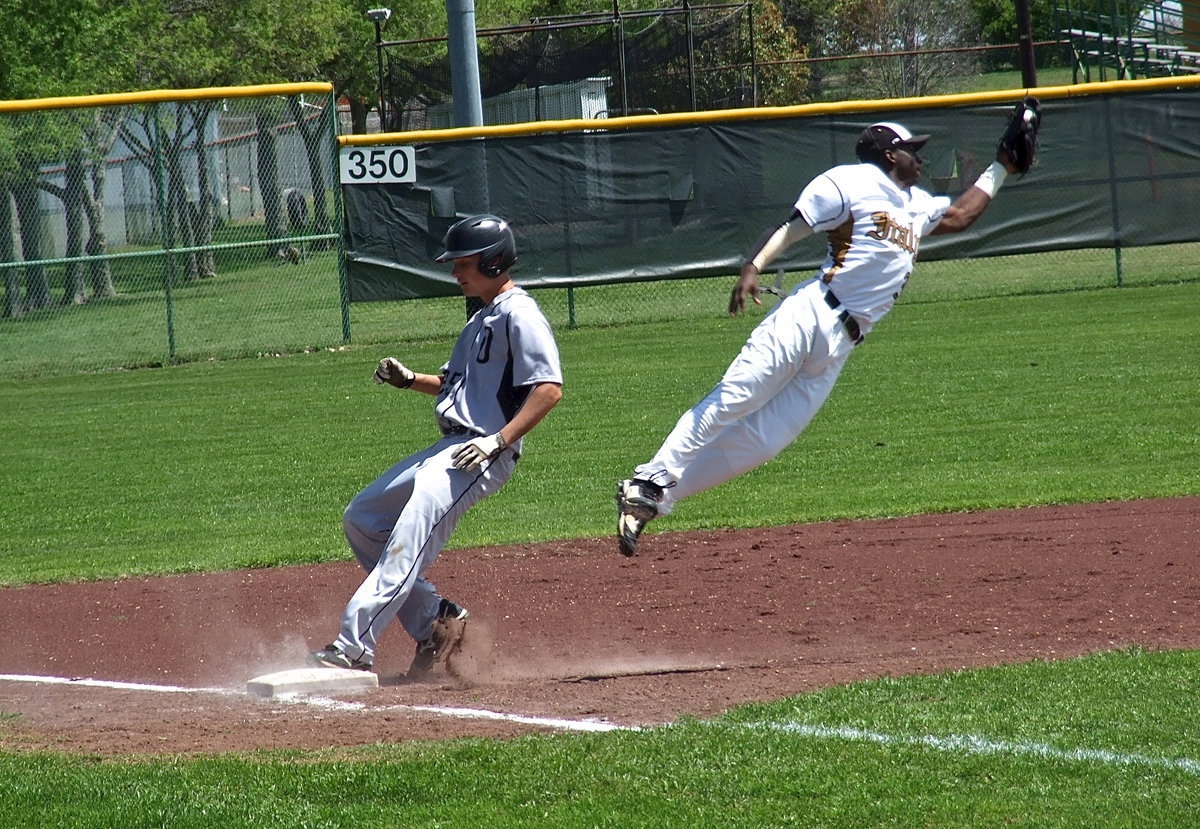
point(770, 392)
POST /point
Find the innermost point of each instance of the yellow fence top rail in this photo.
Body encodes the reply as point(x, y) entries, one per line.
point(761, 113)
point(160, 95)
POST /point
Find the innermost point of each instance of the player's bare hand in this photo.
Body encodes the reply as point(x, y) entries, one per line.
point(477, 450)
point(747, 286)
point(393, 372)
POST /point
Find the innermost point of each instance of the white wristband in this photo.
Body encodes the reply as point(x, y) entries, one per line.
point(991, 179)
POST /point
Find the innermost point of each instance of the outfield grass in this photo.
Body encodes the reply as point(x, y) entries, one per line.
point(263, 309)
point(952, 404)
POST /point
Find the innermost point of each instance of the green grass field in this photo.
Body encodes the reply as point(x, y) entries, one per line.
point(995, 383)
point(1104, 741)
point(953, 404)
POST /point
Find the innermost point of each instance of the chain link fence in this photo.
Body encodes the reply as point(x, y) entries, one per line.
point(668, 301)
point(149, 228)
point(112, 258)
point(589, 65)
point(687, 58)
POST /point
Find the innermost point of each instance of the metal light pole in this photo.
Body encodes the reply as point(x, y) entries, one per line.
point(379, 17)
point(1025, 42)
point(464, 63)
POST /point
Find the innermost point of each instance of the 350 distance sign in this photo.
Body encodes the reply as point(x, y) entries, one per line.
point(378, 165)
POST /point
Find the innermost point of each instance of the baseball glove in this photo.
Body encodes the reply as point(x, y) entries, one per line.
point(1019, 142)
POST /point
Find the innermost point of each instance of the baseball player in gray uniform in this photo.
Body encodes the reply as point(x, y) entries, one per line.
point(873, 216)
point(502, 378)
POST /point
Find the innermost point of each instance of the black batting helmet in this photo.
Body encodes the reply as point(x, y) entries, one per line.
point(485, 234)
point(886, 135)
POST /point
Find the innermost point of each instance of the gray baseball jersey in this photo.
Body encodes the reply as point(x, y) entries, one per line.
point(398, 524)
point(504, 350)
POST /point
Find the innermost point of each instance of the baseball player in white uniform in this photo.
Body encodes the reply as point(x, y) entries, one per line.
point(502, 378)
point(873, 216)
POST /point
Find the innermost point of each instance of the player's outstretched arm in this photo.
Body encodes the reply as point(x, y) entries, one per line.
point(772, 243)
point(1014, 154)
point(968, 207)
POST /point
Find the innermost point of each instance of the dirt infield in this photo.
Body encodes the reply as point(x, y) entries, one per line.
point(695, 624)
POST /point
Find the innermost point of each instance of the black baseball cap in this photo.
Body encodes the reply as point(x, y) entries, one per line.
point(887, 135)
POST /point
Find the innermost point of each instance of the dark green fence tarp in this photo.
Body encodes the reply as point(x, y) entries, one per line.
point(679, 202)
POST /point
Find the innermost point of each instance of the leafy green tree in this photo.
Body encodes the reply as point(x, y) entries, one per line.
point(352, 67)
point(782, 81)
point(54, 49)
point(998, 25)
point(909, 27)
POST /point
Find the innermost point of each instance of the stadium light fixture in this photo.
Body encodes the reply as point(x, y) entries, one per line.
point(379, 17)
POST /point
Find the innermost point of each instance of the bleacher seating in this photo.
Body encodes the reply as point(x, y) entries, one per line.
point(1110, 40)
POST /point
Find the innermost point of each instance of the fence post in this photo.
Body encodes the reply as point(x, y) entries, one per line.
point(748, 10)
point(165, 228)
point(623, 82)
point(338, 218)
point(1112, 190)
point(691, 53)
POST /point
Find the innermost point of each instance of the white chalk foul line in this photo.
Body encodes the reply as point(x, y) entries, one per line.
point(964, 744)
point(326, 703)
point(106, 683)
point(967, 744)
point(548, 722)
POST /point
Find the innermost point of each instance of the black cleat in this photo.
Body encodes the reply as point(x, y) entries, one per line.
point(331, 656)
point(442, 644)
point(637, 505)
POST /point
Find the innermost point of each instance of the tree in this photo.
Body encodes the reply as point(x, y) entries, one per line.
point(906, 26)
point(998, 25)
point(351, 67)
point(278, 41)
point(780, 83)
point(65, 49)
point(29, 141)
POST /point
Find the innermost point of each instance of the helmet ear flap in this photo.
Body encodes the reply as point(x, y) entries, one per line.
point(491, 266)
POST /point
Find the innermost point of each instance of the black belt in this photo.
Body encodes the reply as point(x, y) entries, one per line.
point(850, 322)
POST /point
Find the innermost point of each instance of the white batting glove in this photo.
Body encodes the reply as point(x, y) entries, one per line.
point(477, 450)
point(392, 371)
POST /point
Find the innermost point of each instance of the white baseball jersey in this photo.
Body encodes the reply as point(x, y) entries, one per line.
point(789, 364)
point(874, 230)
point(505, 349)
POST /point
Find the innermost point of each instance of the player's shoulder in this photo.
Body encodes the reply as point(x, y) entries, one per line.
point(515, 300)
point(852, 181)
point(853, 174)
point(920, 192)
point(846, 183)
point(922, 199)
point(519, 306)
point(853, 170)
